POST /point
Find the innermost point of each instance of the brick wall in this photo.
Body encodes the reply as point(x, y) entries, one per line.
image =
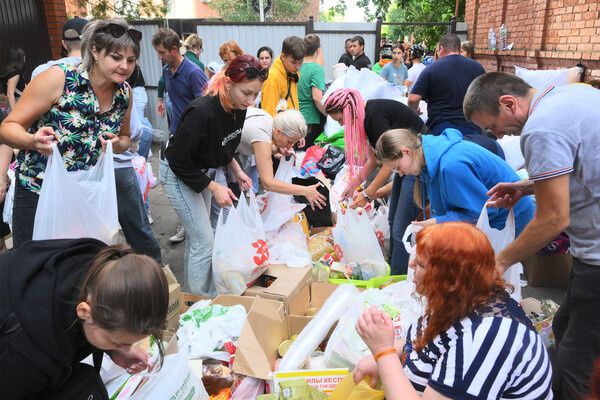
point(56, 15)
point(547, 34)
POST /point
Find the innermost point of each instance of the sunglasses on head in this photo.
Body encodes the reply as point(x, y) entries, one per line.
point(119, 30)
point(253, 73)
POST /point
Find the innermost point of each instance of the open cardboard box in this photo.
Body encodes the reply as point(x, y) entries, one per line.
point(319, 292)
point(265, 328)
point(544, 327)
point(288, 284)
point(548, 270)
point(174, 300)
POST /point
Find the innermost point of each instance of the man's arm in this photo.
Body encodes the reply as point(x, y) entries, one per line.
point(551, 218)
point(317, 95)
point(413, 101)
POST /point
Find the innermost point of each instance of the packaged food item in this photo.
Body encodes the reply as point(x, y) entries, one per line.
point(217, 377)
point(319, 244)
point(349, 270)
point(320, 272)
point(299, 390)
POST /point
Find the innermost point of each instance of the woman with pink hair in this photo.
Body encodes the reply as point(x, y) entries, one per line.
point(364, 123)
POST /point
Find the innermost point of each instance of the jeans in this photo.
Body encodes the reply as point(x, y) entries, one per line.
point(193, 210)
point(24, 208)
point(132, 215)
point(403, 211)
point(145, 139)
point(576, 327)
point(219, 176)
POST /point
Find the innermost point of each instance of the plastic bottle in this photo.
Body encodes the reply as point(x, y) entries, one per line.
point(492, 39)
point(503, 32)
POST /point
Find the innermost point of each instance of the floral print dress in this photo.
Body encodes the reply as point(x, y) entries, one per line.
point(77, 124)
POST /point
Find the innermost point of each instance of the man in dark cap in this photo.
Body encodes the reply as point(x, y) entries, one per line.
point(71, 41)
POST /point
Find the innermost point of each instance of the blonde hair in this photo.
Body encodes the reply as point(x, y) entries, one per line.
point(291, 123)
point(192, 42)
point(96, 36)
point(389, 147)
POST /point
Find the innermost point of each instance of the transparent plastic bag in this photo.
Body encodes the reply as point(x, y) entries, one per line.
point(240, 252)
point(499, 240)
point(280, 208)
point(355, 241)
point(175, 380)
point(78, 204)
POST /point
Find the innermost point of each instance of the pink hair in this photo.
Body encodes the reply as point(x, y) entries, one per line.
point(352, 106)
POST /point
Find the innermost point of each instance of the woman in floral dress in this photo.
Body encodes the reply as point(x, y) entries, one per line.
point(77, 107)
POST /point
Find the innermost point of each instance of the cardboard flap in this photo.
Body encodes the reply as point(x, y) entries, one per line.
point(263, 330)
point(171, 280)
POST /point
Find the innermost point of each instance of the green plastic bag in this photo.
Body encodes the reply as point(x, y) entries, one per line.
point(337, 139)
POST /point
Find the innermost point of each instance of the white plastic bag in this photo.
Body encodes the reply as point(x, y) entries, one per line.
point(381, 227)
point(240, 252)
point(174, 381)
point(345, 347)
point(141, 173)
point(7, 213)
point(206, 328)
point(356, 242)
point(89, 196)
point(499, 240)
point(249, 388)
point(289, 246)
point(281, 208)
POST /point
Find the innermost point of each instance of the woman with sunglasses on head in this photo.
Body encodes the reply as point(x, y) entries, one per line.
point(473, 342)
point(210, 130)
point(77, 107)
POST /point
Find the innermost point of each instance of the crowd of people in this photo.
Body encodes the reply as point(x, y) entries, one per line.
point(229, 124)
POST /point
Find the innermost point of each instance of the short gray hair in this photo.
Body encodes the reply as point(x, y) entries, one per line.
point(291, 123)
point(94, 35)
point(485, 91)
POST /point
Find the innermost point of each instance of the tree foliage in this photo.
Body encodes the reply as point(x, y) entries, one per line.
point(420, 11)
point(242, 10)
point(128, 9)
point(335, 13)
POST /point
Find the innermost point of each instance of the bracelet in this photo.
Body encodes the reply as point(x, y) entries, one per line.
point(384, 353)
point(366, 196)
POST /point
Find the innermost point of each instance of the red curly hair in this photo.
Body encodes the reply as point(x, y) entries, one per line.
point(460, 275)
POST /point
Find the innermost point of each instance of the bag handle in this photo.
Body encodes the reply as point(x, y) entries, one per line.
point(410, 229)
point(484, 220)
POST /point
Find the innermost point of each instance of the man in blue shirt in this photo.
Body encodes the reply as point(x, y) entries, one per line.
point(184, 80)
point(443, 86)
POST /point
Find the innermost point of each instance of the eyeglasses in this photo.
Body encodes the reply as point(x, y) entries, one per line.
point(253, 73)
point(119, 30)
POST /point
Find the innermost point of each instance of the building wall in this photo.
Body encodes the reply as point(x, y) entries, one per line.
point(547, 34)
point(56, 15)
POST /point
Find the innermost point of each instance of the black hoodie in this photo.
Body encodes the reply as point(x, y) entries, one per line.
point(39, 284)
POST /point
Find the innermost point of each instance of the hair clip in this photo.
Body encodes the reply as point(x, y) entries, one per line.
point(125, 251)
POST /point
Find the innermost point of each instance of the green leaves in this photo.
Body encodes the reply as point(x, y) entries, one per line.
point(128, 9)
point(242, 11)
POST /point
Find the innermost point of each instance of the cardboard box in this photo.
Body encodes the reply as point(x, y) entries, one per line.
point(288, 284)
point(265, 328)
point(319, 292)
point(188, 299)
point(548, 270)
point(544, 327)
point(174, 300)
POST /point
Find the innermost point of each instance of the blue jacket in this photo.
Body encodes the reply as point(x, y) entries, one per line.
point(457, 176)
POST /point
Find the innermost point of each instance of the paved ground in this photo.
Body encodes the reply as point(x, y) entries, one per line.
point(166, 221)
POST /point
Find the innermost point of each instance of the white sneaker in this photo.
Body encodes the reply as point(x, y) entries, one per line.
point(150, 220)
point(179, 236)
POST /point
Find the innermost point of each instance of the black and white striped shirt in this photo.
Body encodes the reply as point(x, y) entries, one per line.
point(481, 357)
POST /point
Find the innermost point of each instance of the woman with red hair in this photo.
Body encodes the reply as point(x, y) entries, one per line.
point(474, 341)
point(209, 131)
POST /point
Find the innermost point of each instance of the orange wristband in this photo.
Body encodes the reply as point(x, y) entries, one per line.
point(384, 353)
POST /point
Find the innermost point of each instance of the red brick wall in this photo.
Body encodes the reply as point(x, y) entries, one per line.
point(547, 34)
point(56, 15)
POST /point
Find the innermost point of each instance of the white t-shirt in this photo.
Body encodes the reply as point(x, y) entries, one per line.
point(413, 74)
point(258, 127)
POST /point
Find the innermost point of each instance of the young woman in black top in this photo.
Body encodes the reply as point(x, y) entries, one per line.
point(12, 76)
point(209, 131)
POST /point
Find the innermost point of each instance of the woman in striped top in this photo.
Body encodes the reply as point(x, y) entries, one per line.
point(474, 341)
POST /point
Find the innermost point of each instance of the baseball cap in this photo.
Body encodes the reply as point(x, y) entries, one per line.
point(73, 28)
point(215, 67)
